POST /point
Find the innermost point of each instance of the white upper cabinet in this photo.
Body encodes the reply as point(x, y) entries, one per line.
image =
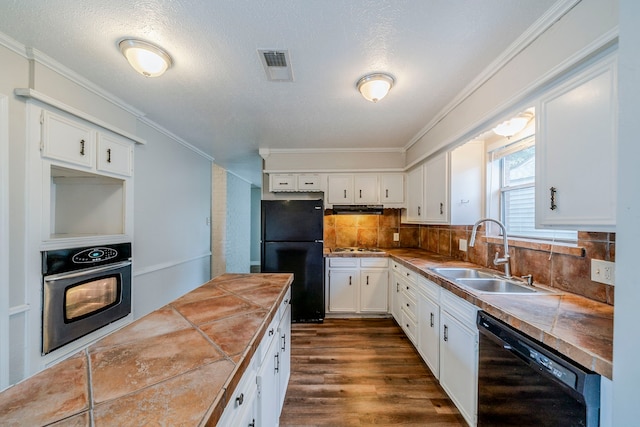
point(81, 146)
point(365, 188)
point(352, 189)
point(467, 178)
point(576, 149)
point(391, 188)
point(294, 182)
point(115, 155)
point(340, 189)
point(436, 195)
point(415, 195)
point(68, 140)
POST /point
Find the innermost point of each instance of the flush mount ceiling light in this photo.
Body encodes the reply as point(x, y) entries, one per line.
point(146, 58)
point(375, 86)
point(513, 125)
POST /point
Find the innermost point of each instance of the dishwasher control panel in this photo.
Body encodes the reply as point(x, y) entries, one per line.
point(554, 368)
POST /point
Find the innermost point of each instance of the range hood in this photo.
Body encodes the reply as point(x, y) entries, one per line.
point(357, 209)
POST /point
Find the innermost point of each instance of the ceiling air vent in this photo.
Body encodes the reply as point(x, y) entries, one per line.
point(277, 64)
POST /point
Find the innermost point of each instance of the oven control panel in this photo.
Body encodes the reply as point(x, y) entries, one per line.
point(94, 255)
point(72, 259)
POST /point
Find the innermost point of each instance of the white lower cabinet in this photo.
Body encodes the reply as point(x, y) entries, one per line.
point(459, 354)
point(429, 324)
point(259, 397)
point(241, 409)
point(357, 285)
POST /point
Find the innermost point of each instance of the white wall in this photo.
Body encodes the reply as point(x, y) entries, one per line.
point(238, 230)
point(256, 195)
point(626, 342)
point(172, 191)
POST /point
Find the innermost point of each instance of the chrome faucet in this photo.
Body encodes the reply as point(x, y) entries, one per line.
point(496, 261)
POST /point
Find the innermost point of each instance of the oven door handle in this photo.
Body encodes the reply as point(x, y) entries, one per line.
point(84, 272)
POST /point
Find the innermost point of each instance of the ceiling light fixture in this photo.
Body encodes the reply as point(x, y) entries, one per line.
point(375, 86)
point(512, 126)
point(146, 58)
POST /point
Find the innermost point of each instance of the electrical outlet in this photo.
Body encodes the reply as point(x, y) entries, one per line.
point(396, 237)
point(603, 271)
point(462, 245)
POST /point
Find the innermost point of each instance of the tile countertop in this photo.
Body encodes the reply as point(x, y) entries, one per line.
point(575, 326)
point(174, 366)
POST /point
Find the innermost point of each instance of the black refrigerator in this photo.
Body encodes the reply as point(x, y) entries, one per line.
point(292, 233)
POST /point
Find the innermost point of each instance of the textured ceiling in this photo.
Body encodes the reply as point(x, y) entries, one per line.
point(217, 96)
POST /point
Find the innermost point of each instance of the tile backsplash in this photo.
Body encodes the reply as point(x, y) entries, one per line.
point(565, 267)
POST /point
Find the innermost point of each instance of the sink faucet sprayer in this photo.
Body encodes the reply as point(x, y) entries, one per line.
point(496, 261)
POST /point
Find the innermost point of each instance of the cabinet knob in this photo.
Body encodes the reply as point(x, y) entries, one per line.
point(270, 331)
point(240, 399)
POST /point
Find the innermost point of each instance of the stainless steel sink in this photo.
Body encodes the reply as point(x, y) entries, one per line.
point(498, 286)
point(485, 281)
point(463, 273)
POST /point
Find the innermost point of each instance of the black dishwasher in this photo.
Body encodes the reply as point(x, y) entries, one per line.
point(521, 382)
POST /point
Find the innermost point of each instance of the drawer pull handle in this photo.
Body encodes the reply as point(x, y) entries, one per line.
point(308, 183)
point(82, 147)
point(361, 194)
point(367, 280)
point(387, 193)
point(345, 194)
point(441, 208)
point(553, 206)
point(349, 280)
point(284, 342)
point(418, 210)
point(108, 155)
point(276, 369)
point(431, 320)
point(240, 399)
point(446, 333)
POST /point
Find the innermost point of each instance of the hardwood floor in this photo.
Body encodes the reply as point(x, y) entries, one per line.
point(361, 372)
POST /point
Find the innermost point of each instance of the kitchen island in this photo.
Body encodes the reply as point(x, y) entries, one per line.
point(179, 365)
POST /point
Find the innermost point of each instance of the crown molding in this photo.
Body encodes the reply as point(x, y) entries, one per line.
point(174, 137)
point(550, 17)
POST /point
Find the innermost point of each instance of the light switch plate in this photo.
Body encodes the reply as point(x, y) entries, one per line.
point(603, 271)
point(396, 237)
point(462, 245)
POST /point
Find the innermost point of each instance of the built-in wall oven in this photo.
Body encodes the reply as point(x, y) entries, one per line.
point(521, 382)
point(84, 289)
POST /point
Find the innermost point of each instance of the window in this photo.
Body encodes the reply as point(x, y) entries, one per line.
point(514, 171)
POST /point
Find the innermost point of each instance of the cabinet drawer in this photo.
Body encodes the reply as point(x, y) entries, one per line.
point(67, 140)
point(269, 336)
point(464, 311)
point(343, 262)
point(282, 182)
point(114, 155)
point(407, 274)
point(309, 183)
point(428, 288)
point(409, 326)
point(374, 262)
point(410, 305)
point(284, 305)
